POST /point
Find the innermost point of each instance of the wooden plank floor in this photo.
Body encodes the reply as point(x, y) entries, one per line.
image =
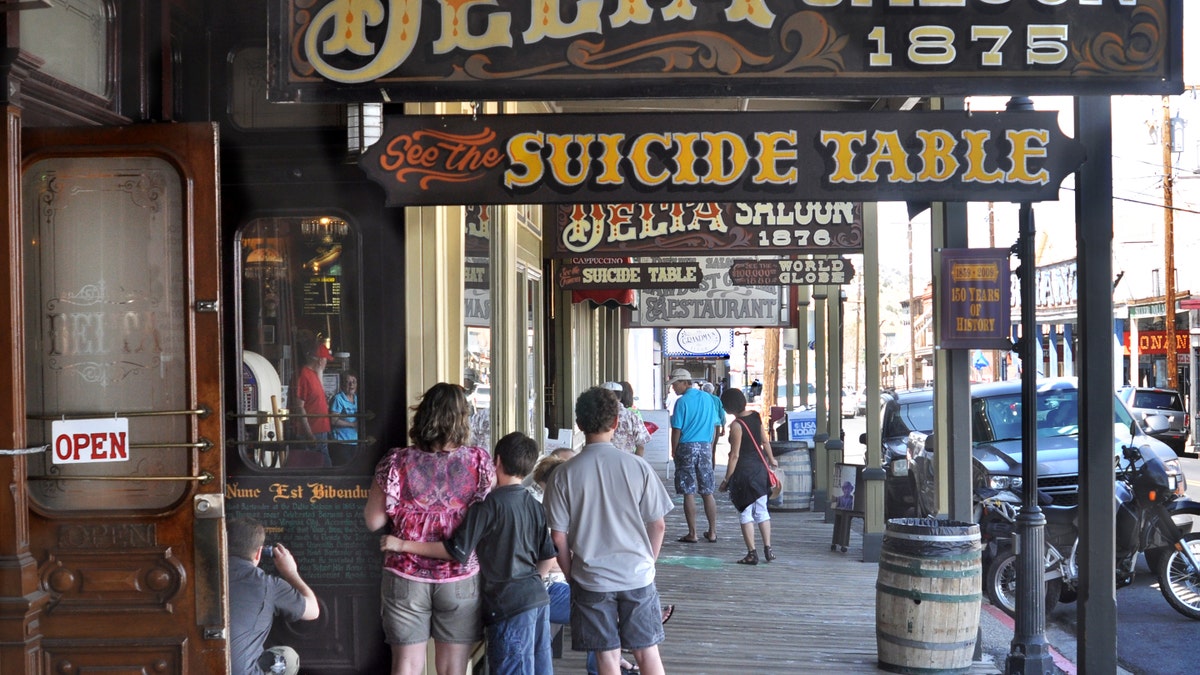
point(810, 611)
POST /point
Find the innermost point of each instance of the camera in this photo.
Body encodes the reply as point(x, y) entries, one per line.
point(268, 551)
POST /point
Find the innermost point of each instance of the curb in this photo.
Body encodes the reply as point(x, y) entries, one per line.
point(1061, 662)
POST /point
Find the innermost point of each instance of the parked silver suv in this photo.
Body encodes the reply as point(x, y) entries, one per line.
point(1143, 401)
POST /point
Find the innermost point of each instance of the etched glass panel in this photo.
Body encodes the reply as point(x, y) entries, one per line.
point(82, 24)
point(106, 324)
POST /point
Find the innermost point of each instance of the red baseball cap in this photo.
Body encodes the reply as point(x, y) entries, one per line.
point(323, 352)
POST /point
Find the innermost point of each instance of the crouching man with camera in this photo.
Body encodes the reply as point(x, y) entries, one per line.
point(255, 597)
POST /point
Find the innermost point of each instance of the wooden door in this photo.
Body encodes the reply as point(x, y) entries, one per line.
point(122, 273)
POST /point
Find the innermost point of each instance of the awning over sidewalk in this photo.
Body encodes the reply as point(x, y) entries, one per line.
point(611, 298)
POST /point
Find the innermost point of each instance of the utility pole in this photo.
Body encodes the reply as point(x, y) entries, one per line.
point(910, 372)
point(1169, 243)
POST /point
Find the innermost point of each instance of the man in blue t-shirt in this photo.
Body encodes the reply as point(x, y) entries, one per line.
point(255, 597)
point(693, 427)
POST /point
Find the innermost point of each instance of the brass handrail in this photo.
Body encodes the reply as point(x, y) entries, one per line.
point(204, 478)
point(201, 412)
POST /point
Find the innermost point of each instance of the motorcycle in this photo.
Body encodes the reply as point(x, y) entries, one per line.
point(996, 514)
point(1147, 506)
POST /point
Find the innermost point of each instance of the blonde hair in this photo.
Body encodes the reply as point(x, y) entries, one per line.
point(546, 466)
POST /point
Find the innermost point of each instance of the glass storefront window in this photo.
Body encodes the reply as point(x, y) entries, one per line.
point(300, 332)
point(477, 314)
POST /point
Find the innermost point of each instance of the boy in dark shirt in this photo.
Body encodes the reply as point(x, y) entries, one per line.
point(508, 531)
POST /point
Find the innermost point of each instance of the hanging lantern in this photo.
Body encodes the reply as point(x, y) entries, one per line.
point(364, 126)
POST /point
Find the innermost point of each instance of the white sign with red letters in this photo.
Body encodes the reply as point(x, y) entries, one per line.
point(95, 440)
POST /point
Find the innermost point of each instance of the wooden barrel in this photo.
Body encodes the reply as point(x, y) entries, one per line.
point(927, 596)
point(796, 475)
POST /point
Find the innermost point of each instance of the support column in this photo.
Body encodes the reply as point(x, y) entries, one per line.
point(433, 279)
point(1097, 606)
point(952, 384)
point(873, 475)
point(820, 461)
point(21, 599)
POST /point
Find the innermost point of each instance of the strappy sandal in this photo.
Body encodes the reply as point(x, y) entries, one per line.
point(667, 612)
point(768, 553)
point(750, 559)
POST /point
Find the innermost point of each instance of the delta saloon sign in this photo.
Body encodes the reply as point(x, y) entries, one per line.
point(466, 50)
point(748, 157)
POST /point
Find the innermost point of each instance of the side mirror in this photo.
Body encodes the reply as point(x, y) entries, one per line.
point(862, 438)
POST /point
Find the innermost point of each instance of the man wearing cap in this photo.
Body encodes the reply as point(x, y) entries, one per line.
point(631, 434)
point(307, 395)
point(692, 424)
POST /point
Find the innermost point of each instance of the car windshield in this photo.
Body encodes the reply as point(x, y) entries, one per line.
point(998, 418)
point(909, 417)
point(1157, 400)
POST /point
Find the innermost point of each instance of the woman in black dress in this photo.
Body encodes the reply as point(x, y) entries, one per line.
point(746, 477)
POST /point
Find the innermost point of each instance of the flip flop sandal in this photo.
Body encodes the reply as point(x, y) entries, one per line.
point(710, 537)
point(688, 540)
point(667, 612)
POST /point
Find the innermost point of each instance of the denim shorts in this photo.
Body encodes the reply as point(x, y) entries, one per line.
point(602, 622)
point(520, 645)
point(413, 610)
point(694, 469)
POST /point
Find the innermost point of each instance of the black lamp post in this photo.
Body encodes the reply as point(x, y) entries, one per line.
point(1029, 652)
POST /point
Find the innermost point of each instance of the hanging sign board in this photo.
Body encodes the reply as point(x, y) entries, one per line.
point(546, 159)
point(831, 271)
point(715, 303)
point(758, 228)
point(468, 50)
point(974, 299)
point(710, 343)
point(105, 439)
point(585, 277)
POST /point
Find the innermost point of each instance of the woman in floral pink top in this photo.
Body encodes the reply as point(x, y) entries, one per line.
point(421, 493)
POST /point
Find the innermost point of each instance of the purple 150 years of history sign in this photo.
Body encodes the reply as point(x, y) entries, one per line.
point(974, 300)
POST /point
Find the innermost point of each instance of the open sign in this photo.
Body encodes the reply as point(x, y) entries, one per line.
point(95, 440)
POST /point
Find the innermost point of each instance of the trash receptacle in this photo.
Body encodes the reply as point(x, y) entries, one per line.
point(927, 596)
point(795, 473)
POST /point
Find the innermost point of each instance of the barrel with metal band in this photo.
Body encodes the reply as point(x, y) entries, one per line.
point(927, 596)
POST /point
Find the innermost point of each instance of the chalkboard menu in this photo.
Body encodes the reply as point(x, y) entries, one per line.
point(318, 519)
point(323, 296)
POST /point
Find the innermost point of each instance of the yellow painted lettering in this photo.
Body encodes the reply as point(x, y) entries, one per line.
point(525, 157)
point(686, 158)
point(546, 20)
point(399, 39)
point(776, 147)
point(560, 159)
point(938, 162)
point(727, 157)
point(753, 11)
point(610, 159)
point(679, 9)
point(976, 173)
point(888, 150)
point(639, 157)
point(456, 33)
point(1023, 150)
point(631, 11)
point(843, 153)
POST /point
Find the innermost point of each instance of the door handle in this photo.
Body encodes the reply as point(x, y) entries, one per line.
point(208, 523)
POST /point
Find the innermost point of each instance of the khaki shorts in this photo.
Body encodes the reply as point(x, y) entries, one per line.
point(412, 610)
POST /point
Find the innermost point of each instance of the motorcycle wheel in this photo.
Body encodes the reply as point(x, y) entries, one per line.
point(1179, 586)
point(1000, 584)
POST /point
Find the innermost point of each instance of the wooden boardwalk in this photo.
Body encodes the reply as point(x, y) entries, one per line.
point(810, 611)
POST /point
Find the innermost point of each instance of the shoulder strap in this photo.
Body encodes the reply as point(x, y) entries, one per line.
point(755, 442)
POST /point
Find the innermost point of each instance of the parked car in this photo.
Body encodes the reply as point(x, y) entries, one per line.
point(849, 403)
point(904, 414)
point(1143, 401)
point(996, 439)
point(860, 403)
